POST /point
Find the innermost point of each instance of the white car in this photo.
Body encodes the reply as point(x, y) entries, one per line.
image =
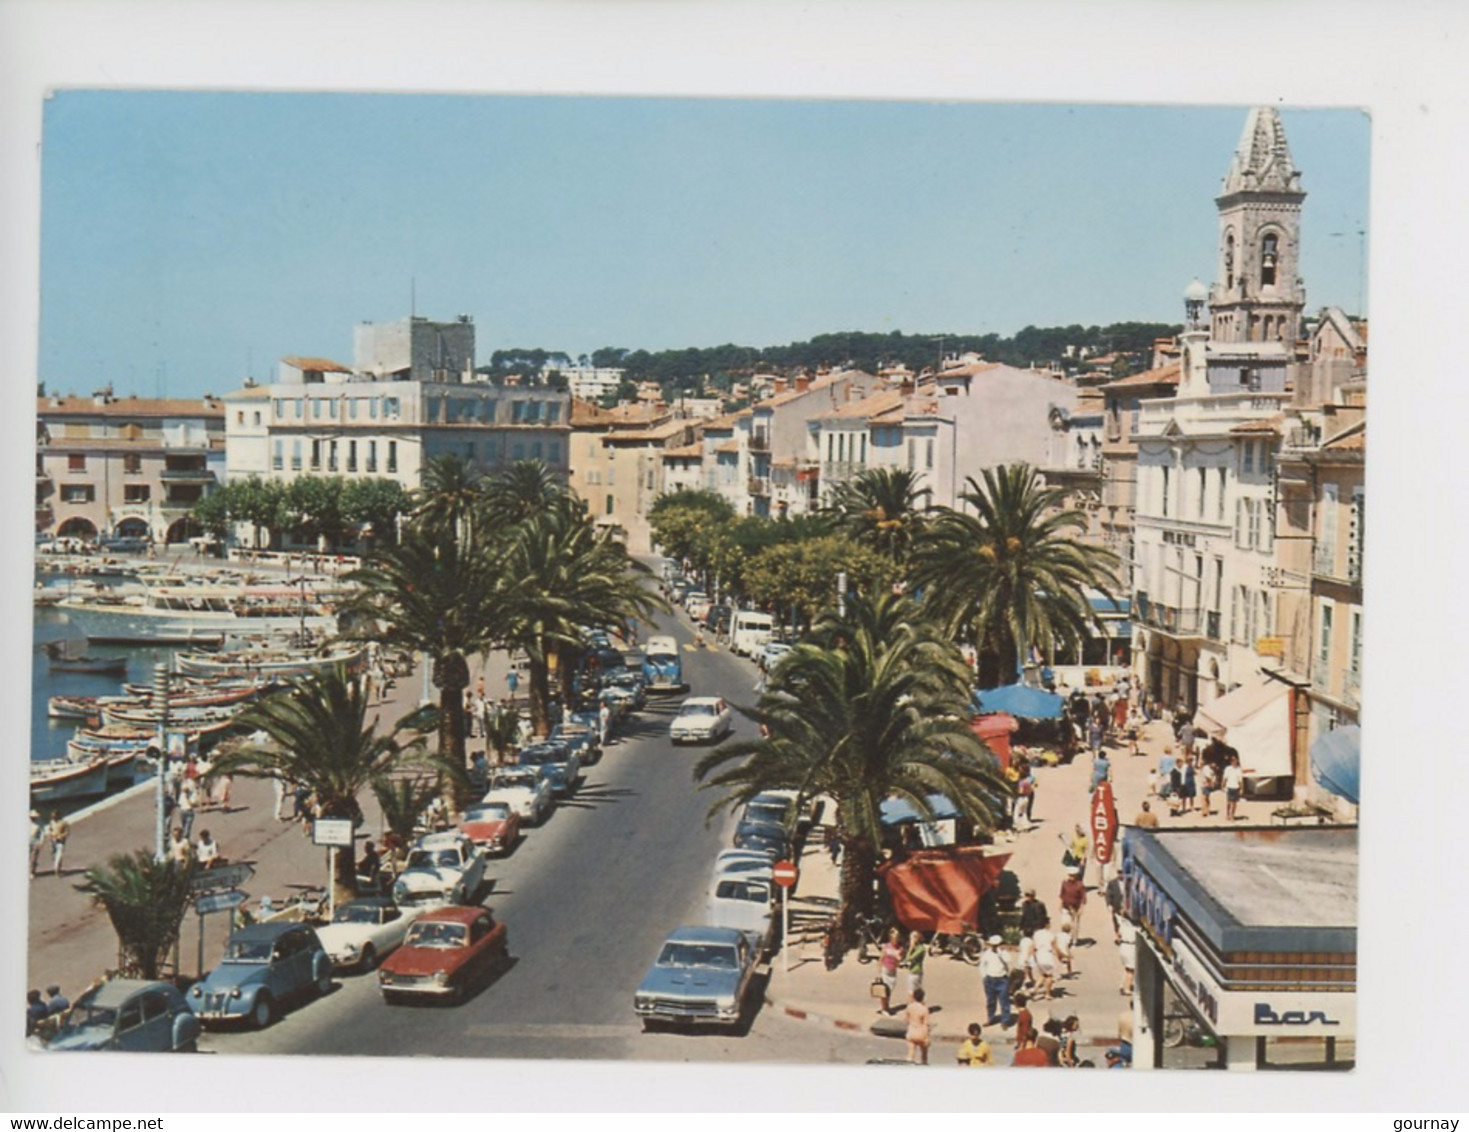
point(769, 655)
point(363, 931)
point(754, 867)
point(743, 902)
point(701, 719)
point(443, 868)
point(526, 792)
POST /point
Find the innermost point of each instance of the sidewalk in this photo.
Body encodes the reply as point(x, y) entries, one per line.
point(954, 989)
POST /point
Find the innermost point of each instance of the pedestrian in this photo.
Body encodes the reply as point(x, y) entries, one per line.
point(35, 1011)
point(1207, 784)
point(892, 955)
point(38, 839)
point(1023, 974)
point(207, 851)
point(1101, 770)
point(699, 635)
point(1033, 913)
point(1127, 951)
point(1047, 961)
point(369, 864)
point(1234, 780)
point(1114, 904)
point(1062, 941)
point(479, 687)
point(913, 962)
point(1024, 1021)
point(58, 832)
point(1078, 851)
point(1025, 795)
point(188, 803)
point(1094, 733)
point(512, 681)
point(918, 1035)
point(1048, 1041)
point(468, 714)
point(1152, 782)
point(995, 972)
point(834, 843)
point(974, 1051)
point(604, 723)
point(56, 1002)
point(1146, 819)
point(1119, 713)
point(224, 786)
point(278, 788)
point(1029, 1054)
point(1190, 784)
point(1073, 900)
point(180, 852)
point(1070, 1031)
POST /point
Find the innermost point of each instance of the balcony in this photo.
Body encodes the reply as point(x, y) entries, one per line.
point(758, 485)
point(371, 466)
point(1176, 621)
point(1212, 626)
point(759, 441)
point(193, 475)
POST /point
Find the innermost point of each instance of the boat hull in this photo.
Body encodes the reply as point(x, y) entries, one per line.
point(134, 625)
point(51, 783)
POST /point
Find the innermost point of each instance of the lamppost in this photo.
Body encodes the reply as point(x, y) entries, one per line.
point(160, 705)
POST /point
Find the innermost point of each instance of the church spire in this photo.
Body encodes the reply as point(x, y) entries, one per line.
point(1262, 158)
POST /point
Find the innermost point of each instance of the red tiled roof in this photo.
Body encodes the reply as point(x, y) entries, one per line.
point(127, 407)
point(1163, 375)
point(1273, 424)
point(687, 452)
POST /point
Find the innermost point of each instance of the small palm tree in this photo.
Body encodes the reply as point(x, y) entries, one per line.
point(402, 800)
point(318, 735)
point(523, 491)
point(145, 899)
point(876, 706)
point(1011, 575)
point(450, 493)
point(882, 508)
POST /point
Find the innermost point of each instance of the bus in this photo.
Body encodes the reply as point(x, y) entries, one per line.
point(750, 631)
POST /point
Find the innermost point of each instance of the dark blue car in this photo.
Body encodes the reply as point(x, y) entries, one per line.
point(557, 762)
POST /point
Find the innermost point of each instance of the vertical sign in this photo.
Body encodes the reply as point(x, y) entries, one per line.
point(1104, 822)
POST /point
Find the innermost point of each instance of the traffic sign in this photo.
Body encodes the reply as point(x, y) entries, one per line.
point(220, 901)
point(784, 873)
point(224, 876)
point(332, 831)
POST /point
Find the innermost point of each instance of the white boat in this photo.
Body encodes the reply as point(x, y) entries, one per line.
point(271, 664)
point(56, 780)
point(198, 614)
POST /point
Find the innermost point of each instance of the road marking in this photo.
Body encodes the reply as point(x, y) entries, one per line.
point(551, 1030)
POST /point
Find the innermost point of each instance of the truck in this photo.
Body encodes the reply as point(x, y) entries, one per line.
point(750, 631)
point(662, 667)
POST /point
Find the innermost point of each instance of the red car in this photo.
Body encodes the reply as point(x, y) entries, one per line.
point(493, 826)
point(445, 952)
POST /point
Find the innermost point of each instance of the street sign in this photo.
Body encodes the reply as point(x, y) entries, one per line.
point(784, 873)
point(220, 901)
point(1104, 822)
point(332, 831)
point(225, 876)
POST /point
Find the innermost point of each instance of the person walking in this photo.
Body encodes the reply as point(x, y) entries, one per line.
point(58, 832)
point(1028, 1054)
point(1073, 900)
point(1207, 784)
point(1234, 780)
point(913, 962)
point(919, 1034)
point(180, 852)
point(1146, 819)
point(278, 788)
point(887, 968)
point(974, 1051)
point(1190, 789)
point(188, 803)
point(1025, 796)
point(512, 682)
point(995, 972)
point(1033, 913)
point(1047, 962)
point(1101, 771)
point(1094, 733)
point(38, 839)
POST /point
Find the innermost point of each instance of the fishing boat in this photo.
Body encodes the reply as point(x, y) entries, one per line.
point(191, 614)
point(141, 696)
point(201, 720)
point(272, 664)
point(59, 780)
point(59, 660)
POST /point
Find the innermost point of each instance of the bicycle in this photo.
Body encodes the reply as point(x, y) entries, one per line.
point(869, 931)
point(966, 945)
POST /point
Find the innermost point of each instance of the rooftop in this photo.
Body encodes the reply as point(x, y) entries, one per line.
point(325, 365)
point(55, 406)
point(1163, 375)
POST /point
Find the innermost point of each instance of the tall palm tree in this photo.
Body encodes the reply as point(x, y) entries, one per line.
point(451, 491)
point(145, 899)
point(875, 706)
point(882, 508)
point(520, 492)
point(1012, 575)
point(440, 597)
point(568, 577)
point(318, 735)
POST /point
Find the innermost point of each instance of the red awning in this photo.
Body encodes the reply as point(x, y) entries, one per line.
point(996, 730)
point(938, 890)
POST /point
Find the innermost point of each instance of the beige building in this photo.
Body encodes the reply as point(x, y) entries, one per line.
point(126, 467)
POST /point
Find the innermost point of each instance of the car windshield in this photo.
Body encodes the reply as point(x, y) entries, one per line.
point(514, 782)
point(718, 956)
point(437, 935)
point(742, 890)
point(490, 811)
point(357, 914)
point(769, 812)
point(698, 709)
point(247, 951)
point(539, 755)
point(82, 1016)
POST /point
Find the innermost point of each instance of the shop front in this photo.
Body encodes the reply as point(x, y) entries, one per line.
point(1247, 942)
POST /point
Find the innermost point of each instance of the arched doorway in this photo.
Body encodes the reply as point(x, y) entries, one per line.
point(132, 528)
point(77, 527)
point(182, 530)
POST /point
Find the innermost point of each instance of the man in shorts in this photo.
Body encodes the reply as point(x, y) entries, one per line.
point(1234, 781)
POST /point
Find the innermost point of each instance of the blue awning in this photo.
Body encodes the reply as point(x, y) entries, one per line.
point(897, 811)
point(1021, 701)
point(1336, 762)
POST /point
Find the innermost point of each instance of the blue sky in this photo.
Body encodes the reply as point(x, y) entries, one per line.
point(190, 239)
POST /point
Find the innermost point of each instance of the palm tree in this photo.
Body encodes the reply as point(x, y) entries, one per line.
point(875, 706)
point(1011, 575)
point(402, 801)
point(882, 508)
point(450, 493)
point(145, 899)
point(318, 735)
point(522, 491)
point(568, 577)
point(440, 597)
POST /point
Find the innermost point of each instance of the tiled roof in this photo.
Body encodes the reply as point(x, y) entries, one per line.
point(720, 423)
point(584, 413)
point(1271, 424)
point(1163, 375)
point(728, 446)
point(128, 407)
point(970, 370)
point(325, 365)
point(657, 432)
point(1350, 439)
point(687, 452)
point(871, 405)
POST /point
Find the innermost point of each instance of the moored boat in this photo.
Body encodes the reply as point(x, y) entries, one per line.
point(59, 780)
point(271, 664)
point(193, 614)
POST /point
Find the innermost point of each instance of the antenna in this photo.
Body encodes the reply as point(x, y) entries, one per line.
point(412, 296)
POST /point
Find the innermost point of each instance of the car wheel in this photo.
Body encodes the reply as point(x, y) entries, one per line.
point(263, 1013)
point(324, 984)
point(369, 957)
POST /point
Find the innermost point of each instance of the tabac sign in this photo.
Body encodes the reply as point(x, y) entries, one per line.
point(1104, 822)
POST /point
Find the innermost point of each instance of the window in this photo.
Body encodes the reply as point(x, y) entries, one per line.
point(1248, 455)
point(278, 454)
point(1229, 261)
point(240, 416)
point(1326, 540)
point(78, 493)
point(1323, 652)
point(1355, 534)
point(331, 408)
point(1354, 660)
point(912, 457)
point(1218, 584)
point(609, 505)
point(392, 456)
point(316, 408)
point(1264, 626)
point(132, 464)
point(76, 462)
point(1219, 510)
point(316, 455)
point(553, 412)
point(1253, 511)
point(331, 455)
point(928, 457)
point(1165, 492)
point(295, 455)
point(352, 408)
point(136, 493)
point(1203, 489)
point(537, 453)
point(553, 455)
point(517, 452)
point(392, 408)
point(1269, 253)
point(372, 407)
point(352, 455)
point(1234, 613)
point(371, 456)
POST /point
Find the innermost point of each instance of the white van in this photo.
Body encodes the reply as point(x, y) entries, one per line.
point(750, 631)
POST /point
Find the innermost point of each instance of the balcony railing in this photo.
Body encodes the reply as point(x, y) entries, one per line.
point(1181, 622)
point(758, 485)
point(1212, 626)
point(759, 441)
point(194, 475)
point(371, 466)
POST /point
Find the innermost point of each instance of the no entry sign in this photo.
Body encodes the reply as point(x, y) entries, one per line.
point(784, 873)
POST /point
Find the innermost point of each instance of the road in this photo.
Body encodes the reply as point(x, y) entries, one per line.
point(587, 900)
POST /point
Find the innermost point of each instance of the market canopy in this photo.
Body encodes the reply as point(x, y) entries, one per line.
point(995, 731)
point(898, 811)
point(1336, 762)
point(1021, 701)
point(1254, 719)
point(939, 890)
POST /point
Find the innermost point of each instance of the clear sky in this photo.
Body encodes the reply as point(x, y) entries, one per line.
point(190, 239)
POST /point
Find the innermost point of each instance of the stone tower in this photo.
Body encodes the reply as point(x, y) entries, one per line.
point(1258, 294)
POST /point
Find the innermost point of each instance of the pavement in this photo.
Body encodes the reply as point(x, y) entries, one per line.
point(802, 988)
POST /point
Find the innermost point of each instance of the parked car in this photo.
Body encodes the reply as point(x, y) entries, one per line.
point(123, 544)
point(556, 762)
point(265, 966)
point(130, 1015)
point(743, 902)
point(701, 975)
point(493, 826)
point(445, 953)
point(757, 866)
point(771, 654)
point(763, 835)
point(730, 856)
point(362, 932)
point(526, 791)
point(630, 682)
point(662, 666)
point(442, 868)
point(772, 809)
point(701, 719)
point(582, 735)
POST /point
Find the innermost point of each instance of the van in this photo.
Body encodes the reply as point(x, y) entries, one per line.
point(750, 631)
point(661, 666)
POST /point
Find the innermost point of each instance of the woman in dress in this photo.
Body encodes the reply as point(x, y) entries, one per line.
point(887, 968)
